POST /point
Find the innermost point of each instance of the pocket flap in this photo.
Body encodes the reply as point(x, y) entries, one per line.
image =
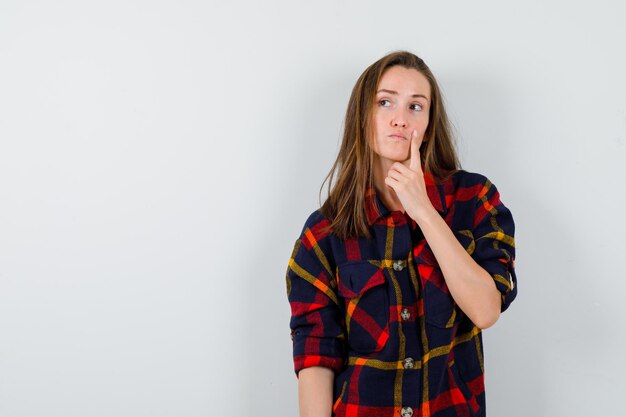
point(354, 278)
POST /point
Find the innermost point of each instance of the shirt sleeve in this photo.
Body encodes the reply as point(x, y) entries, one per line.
point(316, 323)
point(494, 231)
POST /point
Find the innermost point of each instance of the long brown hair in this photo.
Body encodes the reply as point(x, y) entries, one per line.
point(345, 204)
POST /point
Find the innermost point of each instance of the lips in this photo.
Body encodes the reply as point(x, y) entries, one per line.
point(397, 136)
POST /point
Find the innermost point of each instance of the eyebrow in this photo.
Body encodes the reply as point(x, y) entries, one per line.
point(396, 93)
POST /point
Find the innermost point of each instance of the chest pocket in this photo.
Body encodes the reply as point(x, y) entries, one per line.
point(364, 289)
point(439, 307)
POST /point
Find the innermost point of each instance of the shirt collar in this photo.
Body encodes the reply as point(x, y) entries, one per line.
point(373, 201)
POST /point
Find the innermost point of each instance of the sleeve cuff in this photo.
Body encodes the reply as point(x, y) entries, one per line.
point(307, 361)
point(317, 351)
point(504, 278)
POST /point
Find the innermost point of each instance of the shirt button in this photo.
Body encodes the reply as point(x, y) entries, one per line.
point(408, 363)
point(405, 314)
point(406, 412)
point(398, 265)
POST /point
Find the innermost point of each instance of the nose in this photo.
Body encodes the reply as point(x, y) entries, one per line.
point(398, 120)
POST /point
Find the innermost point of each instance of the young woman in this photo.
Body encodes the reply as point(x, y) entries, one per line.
point(393, 279)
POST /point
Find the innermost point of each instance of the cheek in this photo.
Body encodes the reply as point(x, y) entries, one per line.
point(375, 124)
point(425, 119)
point(379, 117)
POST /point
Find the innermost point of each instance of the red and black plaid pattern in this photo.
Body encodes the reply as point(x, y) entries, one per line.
point(379, 313)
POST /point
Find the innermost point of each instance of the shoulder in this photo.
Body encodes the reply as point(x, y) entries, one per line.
point(314, 222)
point(477, 196)
point(316, 242)
point(468, 185)
point(316, 229)
point(471, 196)
point(466, 178)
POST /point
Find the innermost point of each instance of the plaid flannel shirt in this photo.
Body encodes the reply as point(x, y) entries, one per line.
point(378, 312)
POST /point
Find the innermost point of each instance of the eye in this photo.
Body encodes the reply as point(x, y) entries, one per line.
point(418, 105)
point(381, 101)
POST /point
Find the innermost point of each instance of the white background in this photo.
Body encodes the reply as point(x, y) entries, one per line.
point(158, 160)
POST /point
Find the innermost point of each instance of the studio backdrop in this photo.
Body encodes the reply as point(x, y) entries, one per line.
point(158, 161)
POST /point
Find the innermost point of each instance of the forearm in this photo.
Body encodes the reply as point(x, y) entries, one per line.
point(471, 286)
point(315, 391)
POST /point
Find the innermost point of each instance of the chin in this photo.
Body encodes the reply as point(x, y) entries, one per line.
point(396, 157)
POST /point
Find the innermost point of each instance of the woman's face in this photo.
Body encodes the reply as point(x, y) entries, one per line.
point(401, 106)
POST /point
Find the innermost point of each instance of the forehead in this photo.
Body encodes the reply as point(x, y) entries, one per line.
point(406, 81)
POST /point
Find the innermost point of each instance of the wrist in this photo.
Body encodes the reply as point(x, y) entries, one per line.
point(427, 215)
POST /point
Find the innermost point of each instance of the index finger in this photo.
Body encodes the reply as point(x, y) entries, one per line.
point(415, 164)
